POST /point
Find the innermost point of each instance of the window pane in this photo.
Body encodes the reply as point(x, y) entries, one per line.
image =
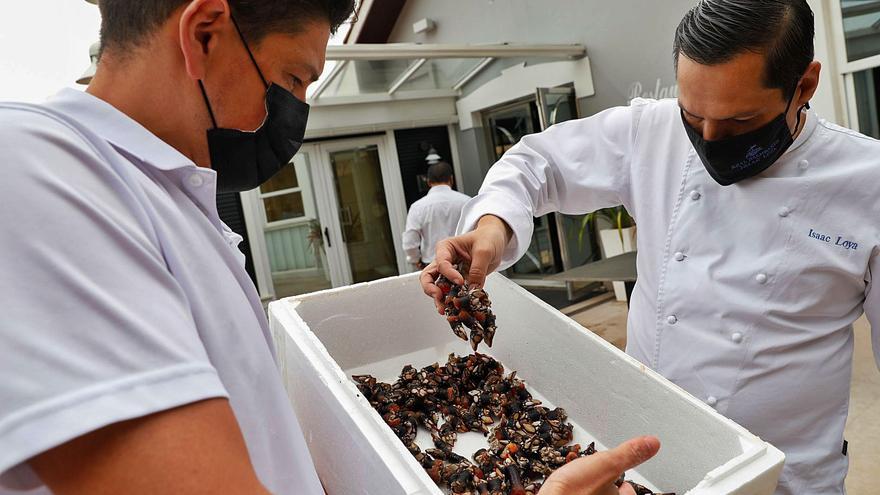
point(363, 213)
point(284, 207)
point(861, 25)
point(284, 179)
point(360, 77)
point(867, 83)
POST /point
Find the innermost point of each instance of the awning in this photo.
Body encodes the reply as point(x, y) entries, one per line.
point(384, 72)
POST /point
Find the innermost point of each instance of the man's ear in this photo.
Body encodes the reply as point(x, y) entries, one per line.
point(201, 22)
point(809, 83)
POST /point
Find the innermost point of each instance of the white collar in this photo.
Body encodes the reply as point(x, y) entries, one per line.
point(439, 188)
point(812, 121)
point(116, 127)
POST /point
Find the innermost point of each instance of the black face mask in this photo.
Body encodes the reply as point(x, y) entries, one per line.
point(245, 159)
point(739, 157)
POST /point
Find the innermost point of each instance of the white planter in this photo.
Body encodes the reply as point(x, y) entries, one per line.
point(378, 327)
point(609, 240)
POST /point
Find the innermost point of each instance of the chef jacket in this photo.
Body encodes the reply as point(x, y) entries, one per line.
point(123, 294)
point(746, 294)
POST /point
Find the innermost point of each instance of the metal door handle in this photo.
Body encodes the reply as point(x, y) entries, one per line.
point(327, 235)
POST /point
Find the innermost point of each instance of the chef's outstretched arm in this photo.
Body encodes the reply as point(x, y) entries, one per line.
point(574, 167)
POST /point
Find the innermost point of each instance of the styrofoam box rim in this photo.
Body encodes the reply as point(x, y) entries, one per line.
point(757, 458)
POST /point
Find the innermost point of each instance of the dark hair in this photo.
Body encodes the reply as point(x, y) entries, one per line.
point(440, 172)
point(125, 24)
point(715, 31)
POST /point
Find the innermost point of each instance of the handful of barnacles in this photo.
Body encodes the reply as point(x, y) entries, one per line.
point(468, 308)
point(526, 440)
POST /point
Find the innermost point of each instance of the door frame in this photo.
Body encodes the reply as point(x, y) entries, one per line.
point(328, 211)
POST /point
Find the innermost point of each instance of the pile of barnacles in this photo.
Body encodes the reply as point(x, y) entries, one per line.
point(527, 441)
point(467, 307)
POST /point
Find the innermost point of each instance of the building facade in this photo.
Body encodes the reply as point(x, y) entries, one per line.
point(467, 79)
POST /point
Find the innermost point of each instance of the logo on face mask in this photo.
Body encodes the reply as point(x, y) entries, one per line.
point(755, 155)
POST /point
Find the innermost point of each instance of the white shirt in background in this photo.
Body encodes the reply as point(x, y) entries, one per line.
point(746, 294)
point(123, 294)
point(430, 220)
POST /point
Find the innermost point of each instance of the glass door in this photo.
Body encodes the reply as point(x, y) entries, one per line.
point(294, 234)
point(363, 212)
point(333, 216)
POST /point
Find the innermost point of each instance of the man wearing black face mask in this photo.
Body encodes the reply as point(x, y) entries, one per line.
point(135, 352)
point(754, 253)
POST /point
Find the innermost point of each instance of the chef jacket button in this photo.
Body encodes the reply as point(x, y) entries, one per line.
point(196, 180)
point(679, 256)
point(761, 278)
point(671, 319)
point(784, 211)
point(695, 195)
point(736, 337)
point(712, 401)
point(804, 164)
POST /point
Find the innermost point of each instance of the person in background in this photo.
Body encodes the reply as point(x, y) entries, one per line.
point(434, 217)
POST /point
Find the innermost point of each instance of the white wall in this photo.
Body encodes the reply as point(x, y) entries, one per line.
point(828, 102)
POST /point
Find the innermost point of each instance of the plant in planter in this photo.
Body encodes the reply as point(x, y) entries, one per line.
point(617, 216)
point(316, 238)
point(617, 240)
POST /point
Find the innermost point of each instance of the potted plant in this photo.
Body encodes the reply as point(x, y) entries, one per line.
point(316, 245)
point(619, 239)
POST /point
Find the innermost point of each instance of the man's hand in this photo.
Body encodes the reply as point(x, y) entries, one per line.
point(194, 449)
point(596, 474)
point(482, 248)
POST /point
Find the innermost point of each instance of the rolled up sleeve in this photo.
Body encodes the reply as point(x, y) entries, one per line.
point(95, 329)
point(412, 236)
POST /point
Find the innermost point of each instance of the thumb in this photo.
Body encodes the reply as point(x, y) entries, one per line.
point(482, 258)
point(612, 463)
point(594, 473)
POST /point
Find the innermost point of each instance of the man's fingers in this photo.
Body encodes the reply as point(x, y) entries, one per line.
point(431, 290)
point(482, 257)
point(597, 473)
point(448, 270)
point(427, 278)
point(446, 255)
point(627, 489)
point(608, 465)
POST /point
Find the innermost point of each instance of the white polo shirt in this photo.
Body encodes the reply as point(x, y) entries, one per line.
point(430, 220)
point(123, 294)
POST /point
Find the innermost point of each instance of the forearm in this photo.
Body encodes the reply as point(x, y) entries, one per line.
point(194, 449)
point(412, 242)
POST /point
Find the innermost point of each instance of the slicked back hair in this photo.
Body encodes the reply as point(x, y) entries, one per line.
point(715, 31)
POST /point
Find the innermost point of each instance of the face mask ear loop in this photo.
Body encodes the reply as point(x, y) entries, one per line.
point(208, 104)
point(250, 54)
point(797, 123)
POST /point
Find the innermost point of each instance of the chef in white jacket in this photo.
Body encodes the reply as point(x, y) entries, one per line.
point(758, 232)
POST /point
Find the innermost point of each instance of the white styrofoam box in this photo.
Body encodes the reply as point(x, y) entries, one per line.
point(378, 327)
